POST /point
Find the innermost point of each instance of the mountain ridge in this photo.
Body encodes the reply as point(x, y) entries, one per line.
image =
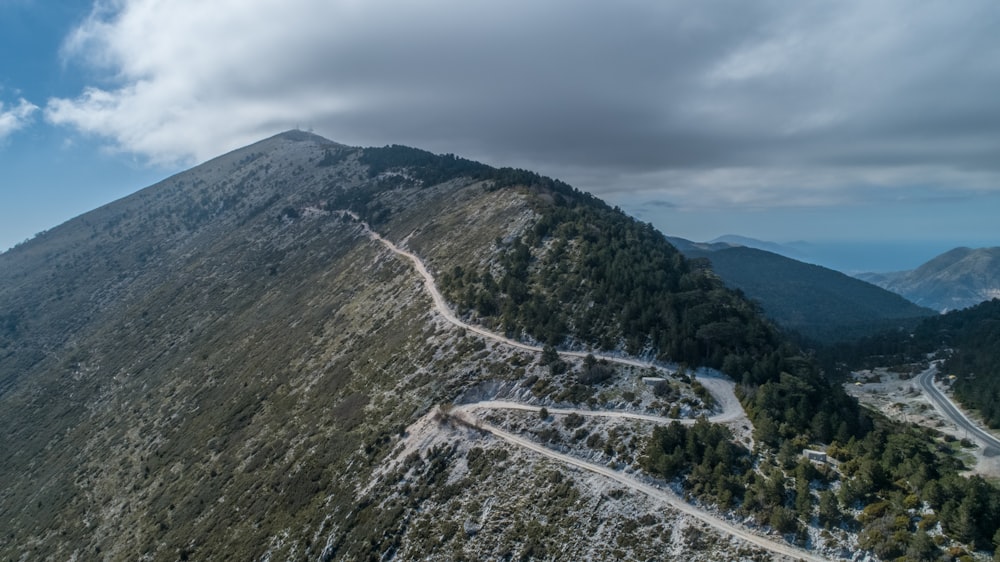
point(228, 365)
point(959, 278)
point(821, 304)
point(787, 250)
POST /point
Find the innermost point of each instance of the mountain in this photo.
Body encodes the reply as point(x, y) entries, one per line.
point(304, 350)
point(819, 303)
point(686, 246)
point(956, 279)
point(787, 250)
point(226, 365)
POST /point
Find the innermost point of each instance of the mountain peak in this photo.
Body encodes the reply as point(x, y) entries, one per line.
point(298, 135)
point(956, 279)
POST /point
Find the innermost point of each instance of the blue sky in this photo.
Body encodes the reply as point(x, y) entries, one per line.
point(845, 122)
point(51, 174)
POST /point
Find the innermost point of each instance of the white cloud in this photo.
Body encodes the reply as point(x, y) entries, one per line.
point(189, 79)
point(16, 117)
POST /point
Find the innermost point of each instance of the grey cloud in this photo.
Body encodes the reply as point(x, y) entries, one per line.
point(717, 102)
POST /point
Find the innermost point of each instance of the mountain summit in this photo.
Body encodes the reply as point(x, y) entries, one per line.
point(307, 350)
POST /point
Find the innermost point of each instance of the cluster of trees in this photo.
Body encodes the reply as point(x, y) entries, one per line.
point(901, 483)
point(594, 371)
point(786, 396)
point(896, 473)
point(715, 469)
point(715, 466)
point(976, 358)
point(589, 272)
point(427, 167)
point(586, 272)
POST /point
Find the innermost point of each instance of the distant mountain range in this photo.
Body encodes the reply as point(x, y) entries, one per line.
point(787, 250)
point(852, 257)
point(821, 304)
point(956, 279)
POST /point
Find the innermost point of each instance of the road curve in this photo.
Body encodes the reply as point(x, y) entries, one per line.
point(664, 496)
point(721, 388)
point(507, 405)
point(989, 443)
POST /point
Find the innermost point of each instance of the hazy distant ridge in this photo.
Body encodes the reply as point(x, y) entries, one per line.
point(956, 279)
point(818, 302)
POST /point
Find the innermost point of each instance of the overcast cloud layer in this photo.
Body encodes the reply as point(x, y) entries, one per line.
point(695, 103)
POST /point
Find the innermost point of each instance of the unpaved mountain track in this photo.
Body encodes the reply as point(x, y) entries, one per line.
point(721, 389)
point(507, 405)
point(664, 496)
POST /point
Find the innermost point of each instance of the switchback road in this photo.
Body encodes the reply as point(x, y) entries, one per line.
point(506, 405)
point(664, 496)
point(720, 388)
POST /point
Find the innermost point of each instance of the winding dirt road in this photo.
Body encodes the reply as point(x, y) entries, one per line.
point(720, 388)
point(507, 405)
point(664, 496)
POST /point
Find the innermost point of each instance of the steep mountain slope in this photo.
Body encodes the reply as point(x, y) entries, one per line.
point(819, 303)
point(229, 365)
point(956, 279)
point(211, 367)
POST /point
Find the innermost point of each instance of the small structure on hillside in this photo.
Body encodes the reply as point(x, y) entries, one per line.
point(651, 381)
point(814, 456)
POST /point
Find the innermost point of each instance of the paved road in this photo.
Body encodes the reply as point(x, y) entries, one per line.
point(989, 443)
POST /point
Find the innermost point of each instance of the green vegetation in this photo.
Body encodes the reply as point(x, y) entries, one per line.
point(974, 335)
point(583, 273)
point(893, 472)
point(969, 341)
point(820, 304)
point(897, 481)
point(587, 273)
point(715, 467)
